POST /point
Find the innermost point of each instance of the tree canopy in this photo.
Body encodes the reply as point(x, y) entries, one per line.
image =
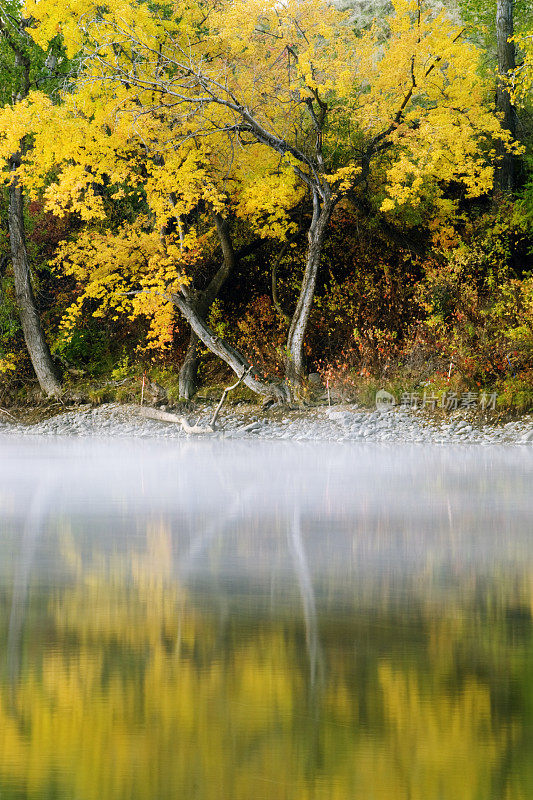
point(263, 115)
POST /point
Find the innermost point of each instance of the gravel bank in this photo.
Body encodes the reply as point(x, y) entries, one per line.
point(335, 423)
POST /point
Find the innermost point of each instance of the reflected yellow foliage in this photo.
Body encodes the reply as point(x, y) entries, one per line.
point(137, 694)
point(439, 738)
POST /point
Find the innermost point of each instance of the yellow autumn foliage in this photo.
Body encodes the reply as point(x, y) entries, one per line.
point(162, 104)
point(522, 78)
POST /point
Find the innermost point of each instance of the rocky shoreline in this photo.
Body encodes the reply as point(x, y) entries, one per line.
point(323, 423)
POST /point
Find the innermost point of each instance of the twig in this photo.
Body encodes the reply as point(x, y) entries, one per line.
point(3, 411)
point(227, 390)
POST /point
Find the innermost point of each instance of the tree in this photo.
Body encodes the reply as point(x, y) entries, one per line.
point(20, 47)
point(236, 96)
point(505, 178)
point(497, 26)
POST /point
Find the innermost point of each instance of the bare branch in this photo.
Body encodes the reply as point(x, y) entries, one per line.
point(227, 390)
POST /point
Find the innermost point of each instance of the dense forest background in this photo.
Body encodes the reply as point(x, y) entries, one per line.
point(380, 236)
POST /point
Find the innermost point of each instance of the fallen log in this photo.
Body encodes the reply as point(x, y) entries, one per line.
point(165, 416)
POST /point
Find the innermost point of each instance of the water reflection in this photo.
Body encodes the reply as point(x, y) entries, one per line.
point(234, 621)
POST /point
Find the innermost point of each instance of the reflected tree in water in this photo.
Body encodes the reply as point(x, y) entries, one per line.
point(109, 707)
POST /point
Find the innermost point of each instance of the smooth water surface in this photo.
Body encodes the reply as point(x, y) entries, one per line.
point(239, 621)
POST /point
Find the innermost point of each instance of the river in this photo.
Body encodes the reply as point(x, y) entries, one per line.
point(248, 620)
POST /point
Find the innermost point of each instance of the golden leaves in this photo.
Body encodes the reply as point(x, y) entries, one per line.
point(131, 272)
point(149, 115)
point(521, 80)
point(266, 201)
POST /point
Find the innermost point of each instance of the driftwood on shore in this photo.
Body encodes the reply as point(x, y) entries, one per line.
point(211, 428)
point(165, 416)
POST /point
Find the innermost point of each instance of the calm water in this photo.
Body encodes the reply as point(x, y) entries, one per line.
point(239, 621)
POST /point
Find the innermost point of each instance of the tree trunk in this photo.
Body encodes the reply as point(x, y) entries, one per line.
point(504, 178)
point(29, 317)
point(189, 368)
point(225, 351)
point(202, 303)
point(294, 365)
